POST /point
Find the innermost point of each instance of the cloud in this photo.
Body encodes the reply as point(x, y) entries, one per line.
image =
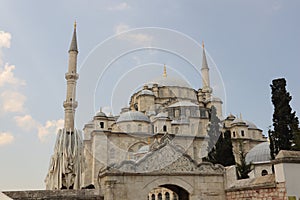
point(12, 101)
point(26, 122)
point(50, 127)
point(6, 138)
point(121, 28)
point(7, 77)
point(5, 38)
point(134, 37)
point(119, 7)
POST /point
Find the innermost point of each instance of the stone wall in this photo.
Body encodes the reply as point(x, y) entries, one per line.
point(260, 193)
point(55, 195)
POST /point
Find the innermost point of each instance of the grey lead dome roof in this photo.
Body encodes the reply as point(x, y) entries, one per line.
point(133, 116)
point(183, 104)
point(170, 81)
point(259, 153)
point(250, 125)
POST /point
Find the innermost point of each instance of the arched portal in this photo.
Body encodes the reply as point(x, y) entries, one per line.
point(168, 192)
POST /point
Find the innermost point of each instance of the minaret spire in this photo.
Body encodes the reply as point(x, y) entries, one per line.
point(67, 163)
point(205, 71)
point(73, 46)
point(165, 71)
point(70, 104)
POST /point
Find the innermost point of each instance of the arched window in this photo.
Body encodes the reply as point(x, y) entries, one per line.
point(242, 133)
point(155, 129)
point(176, 113)
point(159, 196)
point(176, 130)
point(153, 197)
point(101, 124)
point(174, 196)
point(128, 128)
point(233, 134)
point(167, 196)
point(165, 128)
point(140, 128)
point(264, 172)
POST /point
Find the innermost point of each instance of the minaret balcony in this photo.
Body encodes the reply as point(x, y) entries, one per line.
point(70, 104)
point(73, 76)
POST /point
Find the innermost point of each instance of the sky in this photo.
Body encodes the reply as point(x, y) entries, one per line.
point(123, 44)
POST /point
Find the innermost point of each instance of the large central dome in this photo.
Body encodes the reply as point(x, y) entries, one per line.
point(170, 81)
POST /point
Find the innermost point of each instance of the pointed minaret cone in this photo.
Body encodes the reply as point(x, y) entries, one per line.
point(70, 104)
point(73, 46)
point(165, 72)
point(205, 71)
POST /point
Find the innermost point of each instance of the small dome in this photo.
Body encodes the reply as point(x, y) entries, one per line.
point(259, 153)
point(133, 116)
point(100, 114)
point(251, 125)
point(161, 115)
point(146, 92)
point(238, 121)
point(183, 104)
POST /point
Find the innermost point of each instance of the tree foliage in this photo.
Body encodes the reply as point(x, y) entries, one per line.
point(285, 135)
point(219, 145)
point(243, 168)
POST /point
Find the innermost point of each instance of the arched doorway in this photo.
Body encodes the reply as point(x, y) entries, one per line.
point(168, 192)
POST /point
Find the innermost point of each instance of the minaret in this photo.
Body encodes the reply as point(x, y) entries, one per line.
point(70, 104)
point(205, 73)
point(67, 163)
point(165, 71)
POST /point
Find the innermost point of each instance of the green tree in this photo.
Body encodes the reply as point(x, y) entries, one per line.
point(219, 145)
point(227, 157)
point(285, 135)
point(213, 134)
point(243, 168)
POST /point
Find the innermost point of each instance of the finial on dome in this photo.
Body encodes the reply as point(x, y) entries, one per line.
point(165, 71)
point(100, 109)
point(240, 115)
point(75, 24)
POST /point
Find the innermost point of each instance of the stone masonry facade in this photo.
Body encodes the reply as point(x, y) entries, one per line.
point(277, 192)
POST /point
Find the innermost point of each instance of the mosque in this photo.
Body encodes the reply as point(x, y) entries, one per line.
point(154, 148)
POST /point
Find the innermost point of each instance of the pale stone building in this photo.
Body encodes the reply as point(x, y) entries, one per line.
point(154, 148)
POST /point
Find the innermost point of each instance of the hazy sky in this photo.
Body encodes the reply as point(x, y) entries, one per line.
point(250, 43)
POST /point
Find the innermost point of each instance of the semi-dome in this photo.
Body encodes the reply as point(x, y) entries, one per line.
point(251, 125)
point(133, 116)
point(183, 104)
point(170, 81)
point(259, 153)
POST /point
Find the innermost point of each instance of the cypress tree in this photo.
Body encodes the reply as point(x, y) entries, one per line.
point(227, 152)
point(219, 145)
point(213, 134)
point(286, 131)
point(243, 168)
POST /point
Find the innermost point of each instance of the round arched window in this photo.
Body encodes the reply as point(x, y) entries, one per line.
point(264, 172)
